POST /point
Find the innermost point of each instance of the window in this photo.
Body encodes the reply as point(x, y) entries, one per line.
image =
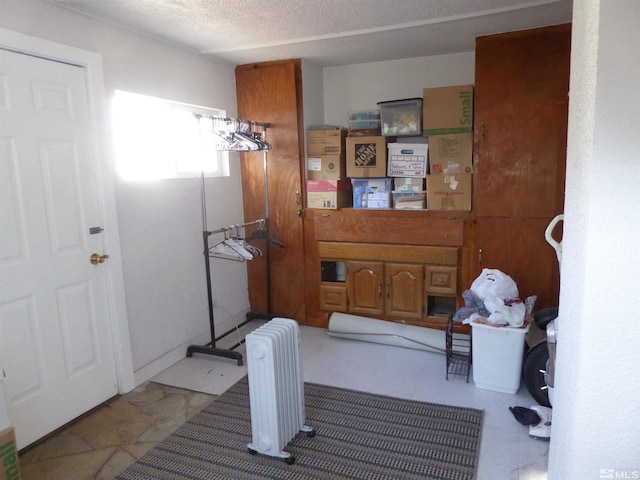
point(157, 139)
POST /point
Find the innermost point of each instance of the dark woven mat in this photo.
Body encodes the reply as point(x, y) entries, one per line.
point(358, 436)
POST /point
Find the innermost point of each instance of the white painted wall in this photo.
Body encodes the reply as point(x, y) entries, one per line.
point(360, 87)
point(160, 223)
point(596, 415)
point(4, 413)
point(312, 94)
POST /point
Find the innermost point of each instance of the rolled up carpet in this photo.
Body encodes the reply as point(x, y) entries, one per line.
point(384, 332)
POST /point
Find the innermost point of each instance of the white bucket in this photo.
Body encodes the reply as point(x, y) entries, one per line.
point(497, 357)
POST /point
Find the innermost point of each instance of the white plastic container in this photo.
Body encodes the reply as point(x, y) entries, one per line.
point(497, 357)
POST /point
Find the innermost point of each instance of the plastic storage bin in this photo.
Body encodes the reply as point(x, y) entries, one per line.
point(409, 200)
point(371, 192)
point(364, 119)
point(497, 357)
point(401, 117)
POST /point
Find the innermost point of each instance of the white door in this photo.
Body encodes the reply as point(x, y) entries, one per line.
point(56, 342)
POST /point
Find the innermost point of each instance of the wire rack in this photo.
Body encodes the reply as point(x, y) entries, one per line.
point(458, 352)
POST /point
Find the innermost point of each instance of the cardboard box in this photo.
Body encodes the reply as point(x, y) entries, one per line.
point(413, 184)
point(9, 467)
point(326, 167)
point(371, 192)
point(407, 160)
point(451, 154)
point(447, 110)
point(449, 192)
point(329, 141)
point(367, 156)
point(328, 194)
point(409, 200)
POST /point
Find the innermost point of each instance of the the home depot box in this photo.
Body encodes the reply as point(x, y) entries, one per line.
point(451, 154)
point(447, 110)
point(367, 156)
point(330, 194)
point(9, 468)
point(327, 141)
point(326, 167)
point(407, 160)
point(449, 192)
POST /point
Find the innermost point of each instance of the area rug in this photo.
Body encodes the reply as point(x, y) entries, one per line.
point(358, 436)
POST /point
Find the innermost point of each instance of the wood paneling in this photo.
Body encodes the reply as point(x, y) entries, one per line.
point(271, 93)
point(517, 247)
point(388, 226)
point(521, 88)
point(390, 253)
point(521, 112)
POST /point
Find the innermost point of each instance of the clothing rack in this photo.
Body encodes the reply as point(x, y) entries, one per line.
point(231, 134)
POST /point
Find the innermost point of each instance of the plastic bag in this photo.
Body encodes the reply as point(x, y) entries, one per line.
point(493, 282)
point(499, 295)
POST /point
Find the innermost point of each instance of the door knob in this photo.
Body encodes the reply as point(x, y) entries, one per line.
point(96, 258)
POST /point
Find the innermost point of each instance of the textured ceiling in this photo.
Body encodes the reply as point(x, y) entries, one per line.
point(325, 32)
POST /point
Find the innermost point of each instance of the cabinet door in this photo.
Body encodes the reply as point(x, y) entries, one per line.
point(271, 92)
point(365, 287)
point(404, 291)
point(441, 280)
point(520, 122)
point(333, 298)
point(518, 248)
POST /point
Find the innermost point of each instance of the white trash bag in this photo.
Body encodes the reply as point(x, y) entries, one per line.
point(500, 295)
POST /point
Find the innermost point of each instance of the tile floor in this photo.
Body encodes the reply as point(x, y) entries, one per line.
point(102, 444)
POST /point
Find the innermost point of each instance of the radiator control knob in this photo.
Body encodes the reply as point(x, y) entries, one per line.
point(257, 351)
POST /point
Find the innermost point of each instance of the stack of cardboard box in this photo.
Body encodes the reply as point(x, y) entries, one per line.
point(448, 122)
point(415, 173)
point(408, 167)
point(385, 174)
point(327, 185)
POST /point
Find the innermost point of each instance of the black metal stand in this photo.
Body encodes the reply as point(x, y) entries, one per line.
point(458, 352)
point(211, 348)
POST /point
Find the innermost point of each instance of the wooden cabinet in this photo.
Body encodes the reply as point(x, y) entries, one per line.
point(520, 121)
point(413, 284)
point(271, 92)
point(404, 291)
point(365, 288)
point(398, 265)
point(393, 290)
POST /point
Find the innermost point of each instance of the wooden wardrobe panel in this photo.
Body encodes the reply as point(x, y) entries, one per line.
point(521, 113)
point(517, 247)
point(270, 93)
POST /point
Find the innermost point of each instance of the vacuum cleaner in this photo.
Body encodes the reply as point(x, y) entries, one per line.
point(539, 363)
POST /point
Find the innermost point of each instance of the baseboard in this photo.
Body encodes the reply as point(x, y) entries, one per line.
point(172, 357)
